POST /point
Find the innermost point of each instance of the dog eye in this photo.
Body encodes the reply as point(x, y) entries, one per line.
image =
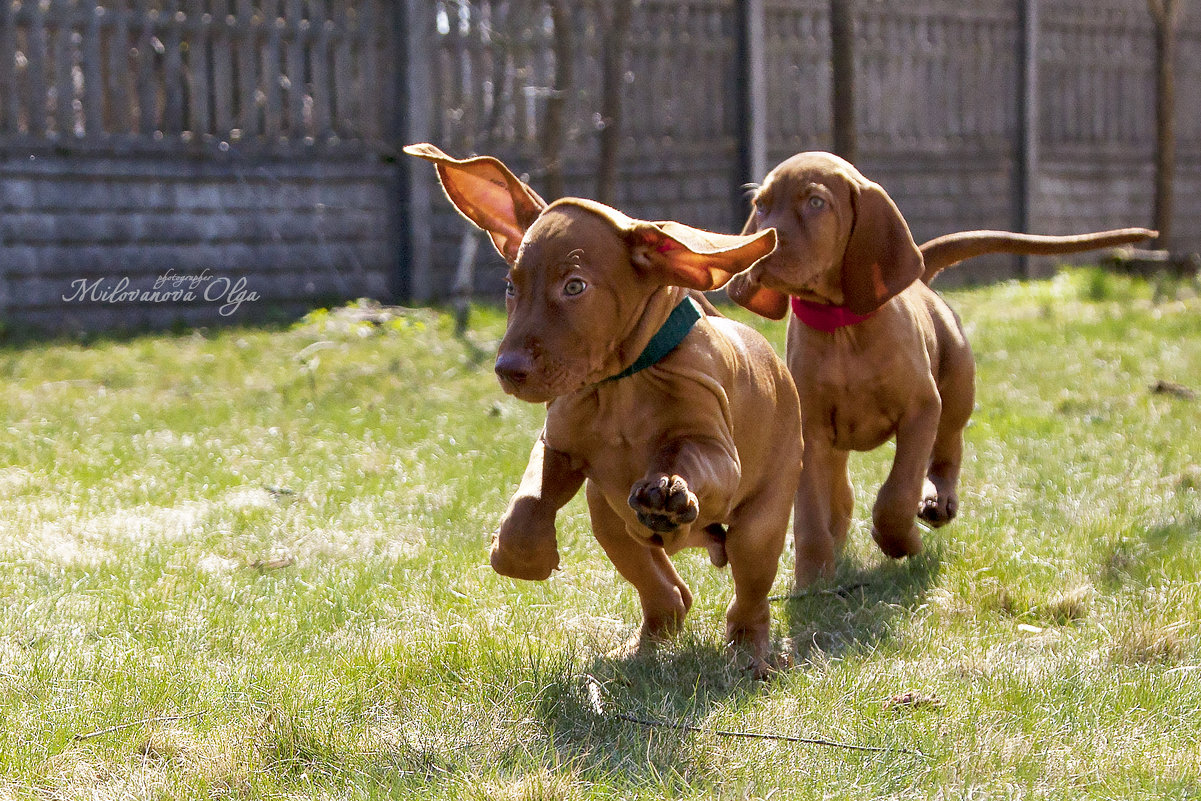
point(574, 287)
point(816, 202)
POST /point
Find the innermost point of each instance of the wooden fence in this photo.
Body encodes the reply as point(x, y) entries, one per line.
point(961, 129)
point(239, 140)
point(131, 72)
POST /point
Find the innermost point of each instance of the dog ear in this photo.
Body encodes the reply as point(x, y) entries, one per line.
point(881, 258)
point(486, 192)
point(680, 255)
point(752, 295)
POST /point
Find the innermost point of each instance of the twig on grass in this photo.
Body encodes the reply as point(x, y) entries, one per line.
point(118, 727)
point(841, 592)
point(598, 706)
point(749, 735)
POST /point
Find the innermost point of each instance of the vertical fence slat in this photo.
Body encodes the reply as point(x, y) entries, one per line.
point(222, 61)
point(35, 70)
point(171, 35)
point(148, 90)
point(370, 77)
point(319, 61)
point(93, 70)
point(295, 80)
point(8, 85)
point(63, 84)
point(118, 72)
point(197, 33)
point(343, 87)
point(273, 108)
point(248, 37)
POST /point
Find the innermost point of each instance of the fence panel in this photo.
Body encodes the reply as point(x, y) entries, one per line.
point(679, 158)
point(131, 73)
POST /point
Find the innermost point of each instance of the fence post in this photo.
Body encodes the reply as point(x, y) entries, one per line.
point(752, 100)
point(415, 37)
point(1026, 157)
point(842, 86)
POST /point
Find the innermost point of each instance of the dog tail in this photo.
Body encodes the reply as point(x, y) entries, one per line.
point(947, 251)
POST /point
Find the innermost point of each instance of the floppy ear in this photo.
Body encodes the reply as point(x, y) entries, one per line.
point(680, 255)
point(881, 258)
point(487, 193)
point(752, 295)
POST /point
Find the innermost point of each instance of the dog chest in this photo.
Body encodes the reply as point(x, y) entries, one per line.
point(855, 396)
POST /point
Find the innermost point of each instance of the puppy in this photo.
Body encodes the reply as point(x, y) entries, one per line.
point(875, 353)
point(685, 426)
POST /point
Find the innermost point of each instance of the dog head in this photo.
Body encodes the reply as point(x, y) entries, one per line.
point(841, 240)
point(588, 287)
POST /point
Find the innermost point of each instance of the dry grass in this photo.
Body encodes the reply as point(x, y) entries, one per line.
point(278, 539)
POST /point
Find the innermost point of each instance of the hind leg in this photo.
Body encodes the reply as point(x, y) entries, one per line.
point(940, 498)
point(754, 544)
point(664, 597)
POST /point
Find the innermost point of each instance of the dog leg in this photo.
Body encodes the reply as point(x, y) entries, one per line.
point(842, 498)
point(940, 501)
point(684, 475)
point(524, 545)
point(753, 545)
point(664, 596)
point(814, 536)
point(897, 502)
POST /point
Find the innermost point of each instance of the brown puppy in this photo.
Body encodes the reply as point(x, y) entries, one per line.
point(685, 426)
point(875, 353)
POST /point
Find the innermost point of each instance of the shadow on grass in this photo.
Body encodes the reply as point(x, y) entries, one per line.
point(593, 716)
point(857, 609)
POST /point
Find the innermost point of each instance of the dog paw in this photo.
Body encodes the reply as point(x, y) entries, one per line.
point(938, 511)
point(663, 503)
point(898, 545)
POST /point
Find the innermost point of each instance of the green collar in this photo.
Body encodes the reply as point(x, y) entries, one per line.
point(665, 340)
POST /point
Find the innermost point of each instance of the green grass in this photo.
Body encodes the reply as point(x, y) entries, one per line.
point(278, 539)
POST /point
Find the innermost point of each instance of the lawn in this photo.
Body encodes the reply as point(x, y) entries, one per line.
point(251, 563)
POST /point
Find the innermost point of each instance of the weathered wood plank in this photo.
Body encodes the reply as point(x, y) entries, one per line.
point(174, 86)
point(35, 69)
point(319, 60)
point(148, 89)
point(92, 67)
point(248, 36)
point(344, 96)
point(296, 29)
point(60, 30)
point(9, 113)
point(197, 33)
point(271, 69)
point(223, 21)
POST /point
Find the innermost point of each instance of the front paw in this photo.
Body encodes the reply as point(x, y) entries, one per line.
point(664, 503)
point(937, 510)
point(524, 547)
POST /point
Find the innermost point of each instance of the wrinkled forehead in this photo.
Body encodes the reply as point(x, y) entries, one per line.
point(570, 234)
point(813, 168)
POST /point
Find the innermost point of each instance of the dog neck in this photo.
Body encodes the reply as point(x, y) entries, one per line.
point(666, 339)
point(825, 317)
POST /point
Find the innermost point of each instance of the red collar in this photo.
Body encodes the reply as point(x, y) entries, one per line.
point(821, 317)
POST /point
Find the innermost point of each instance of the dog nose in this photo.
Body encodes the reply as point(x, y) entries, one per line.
point(513, 367)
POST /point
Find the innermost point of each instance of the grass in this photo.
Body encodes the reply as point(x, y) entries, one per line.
point(261, 556)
